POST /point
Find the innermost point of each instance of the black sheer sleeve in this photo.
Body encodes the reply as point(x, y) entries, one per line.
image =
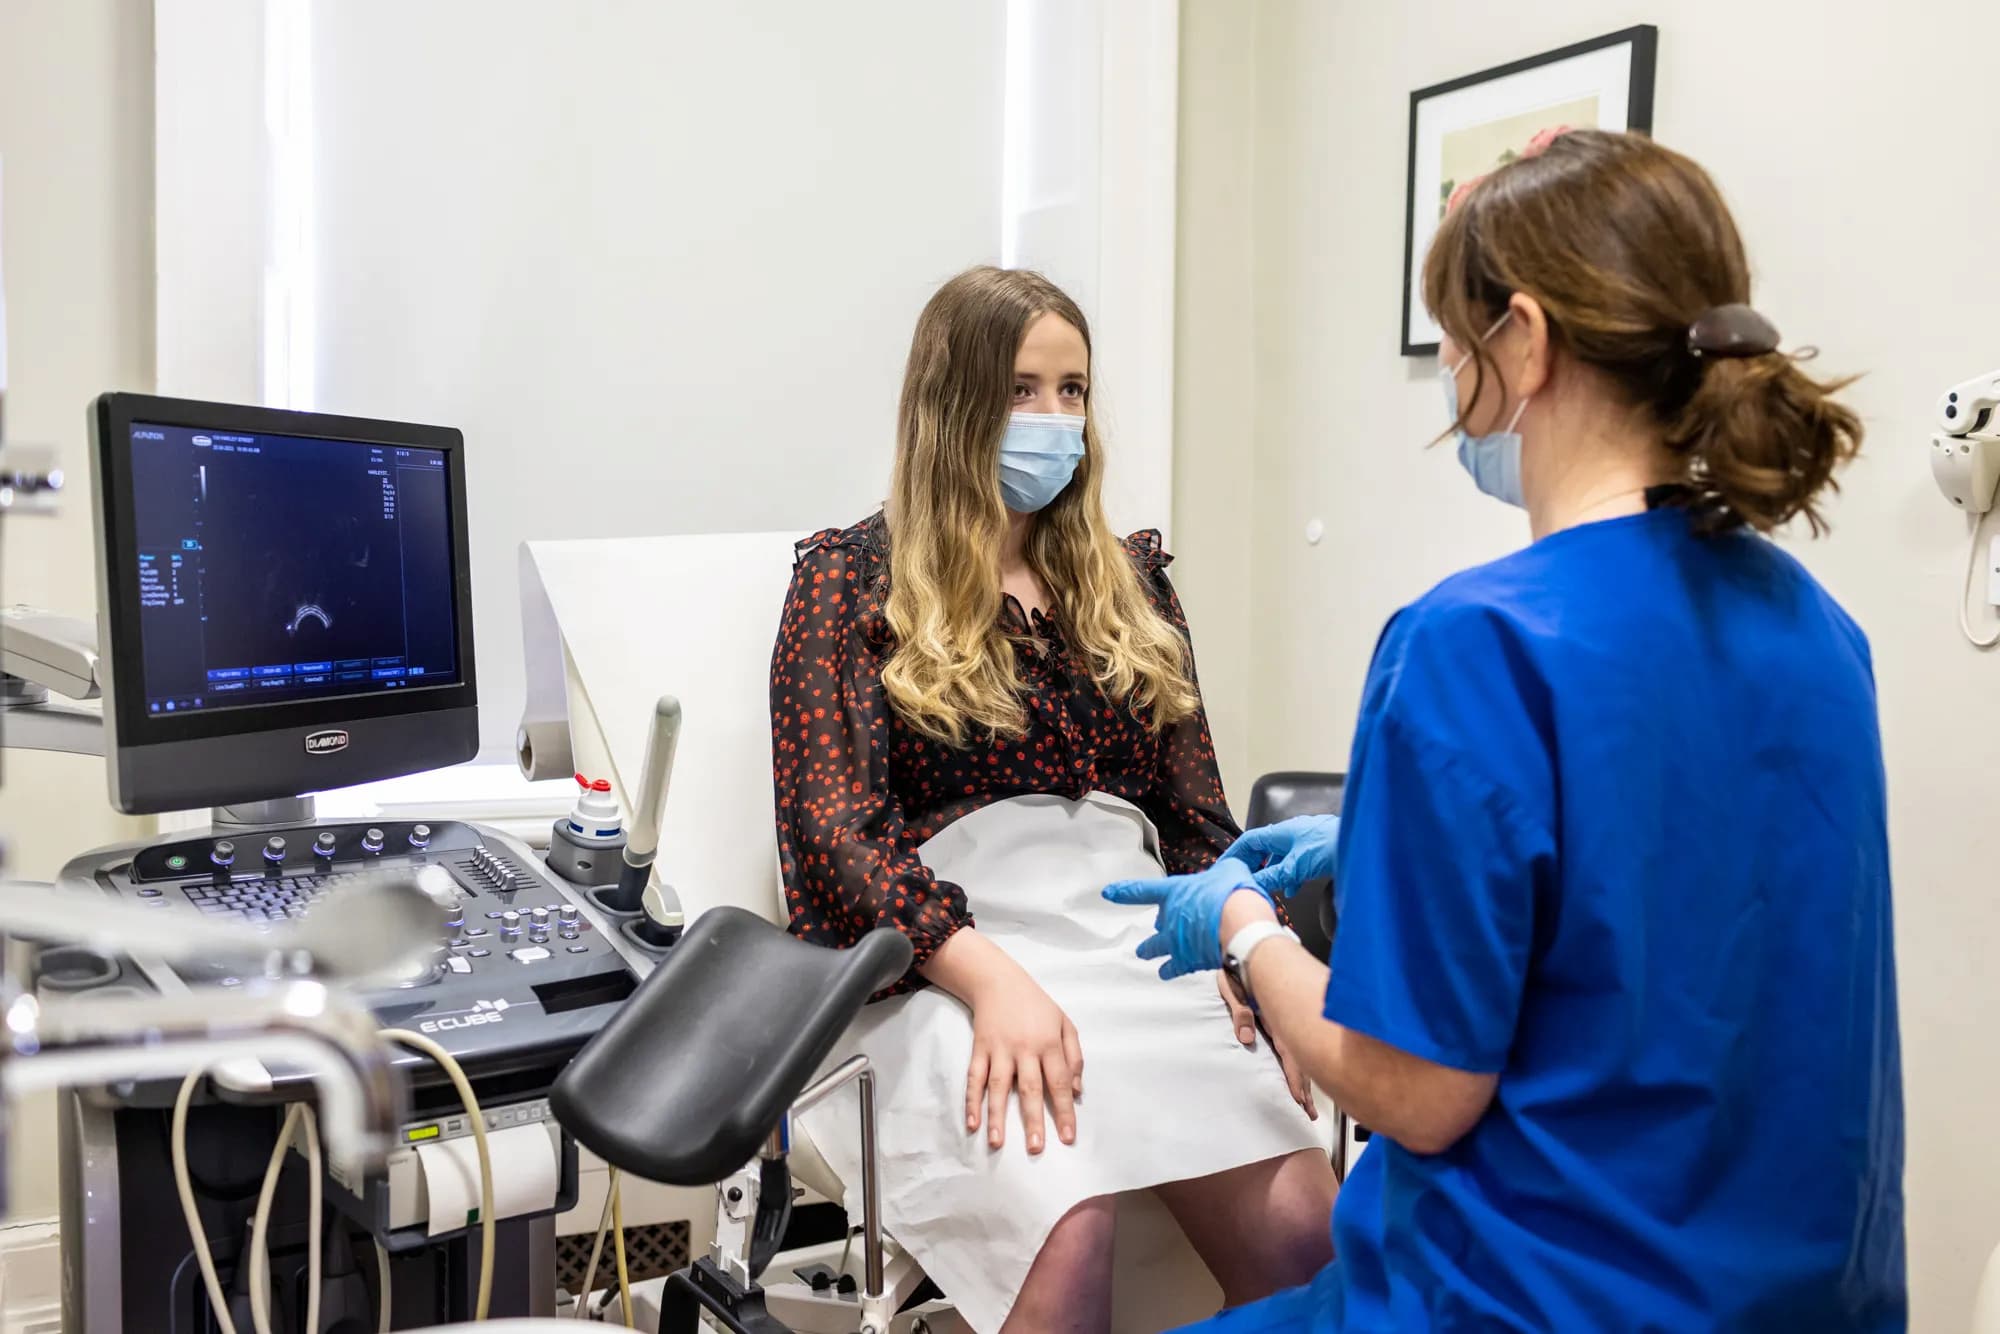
point(1187, 804)
point(849, 863)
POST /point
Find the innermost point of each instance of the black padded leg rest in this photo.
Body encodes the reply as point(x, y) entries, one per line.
point(689, 1078)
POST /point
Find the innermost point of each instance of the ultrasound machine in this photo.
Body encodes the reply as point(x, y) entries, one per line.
point(284, 609)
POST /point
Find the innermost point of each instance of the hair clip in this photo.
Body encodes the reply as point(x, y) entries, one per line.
point(1733, 330)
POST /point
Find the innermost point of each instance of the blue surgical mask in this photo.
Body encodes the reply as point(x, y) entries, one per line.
point(1038, 456)
point(1493, 459)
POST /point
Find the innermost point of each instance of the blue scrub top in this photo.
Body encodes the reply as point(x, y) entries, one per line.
point(1615, 831)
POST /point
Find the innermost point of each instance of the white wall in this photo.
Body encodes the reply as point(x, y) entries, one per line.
point(1865, 176)
point(76, 94)
point(1215, 406)
point(1137, 89)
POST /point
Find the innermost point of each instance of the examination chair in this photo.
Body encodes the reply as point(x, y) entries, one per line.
point(694, 1083)
point(609, 626)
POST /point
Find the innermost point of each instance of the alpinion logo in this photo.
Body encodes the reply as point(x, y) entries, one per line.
point(326, 743)
point(482, 1012)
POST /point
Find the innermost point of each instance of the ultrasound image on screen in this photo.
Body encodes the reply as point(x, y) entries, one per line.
point(273, 568)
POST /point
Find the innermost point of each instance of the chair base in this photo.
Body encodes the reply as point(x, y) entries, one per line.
point(705, 1291)
point(702, 1295)
point(808, 1310)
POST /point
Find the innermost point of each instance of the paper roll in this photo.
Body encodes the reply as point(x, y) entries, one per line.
point(542, 749)
point(525, 1176)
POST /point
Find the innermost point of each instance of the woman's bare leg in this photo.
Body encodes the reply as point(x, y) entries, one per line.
point(1261, 1228)
point(1068, 1289)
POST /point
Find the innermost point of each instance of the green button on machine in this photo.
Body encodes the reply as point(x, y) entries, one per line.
point(177, 862)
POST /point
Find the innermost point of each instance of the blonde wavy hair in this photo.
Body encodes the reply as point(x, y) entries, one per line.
point(952, 671)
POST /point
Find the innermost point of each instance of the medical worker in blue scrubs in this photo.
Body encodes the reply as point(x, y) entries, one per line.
point(1613, 980)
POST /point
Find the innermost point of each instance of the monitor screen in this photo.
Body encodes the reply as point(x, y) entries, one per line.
point(279, 568)
point(284, 600)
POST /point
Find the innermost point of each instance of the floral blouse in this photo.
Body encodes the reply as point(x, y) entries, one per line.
point(859, 790)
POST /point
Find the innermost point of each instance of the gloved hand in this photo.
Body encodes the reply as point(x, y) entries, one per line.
point(1285, 856)
point(1188, 925)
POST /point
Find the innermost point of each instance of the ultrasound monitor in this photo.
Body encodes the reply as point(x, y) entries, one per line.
point(284, 602)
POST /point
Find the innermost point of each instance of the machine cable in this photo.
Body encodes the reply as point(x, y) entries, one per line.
point(300, 1121)
point(185, 1186)
point(612, 1219)
point(1977, 640)
point(419, 1043)
point(383, 1308)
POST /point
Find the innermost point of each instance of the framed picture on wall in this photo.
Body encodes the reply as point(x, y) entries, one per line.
point(1461, 130)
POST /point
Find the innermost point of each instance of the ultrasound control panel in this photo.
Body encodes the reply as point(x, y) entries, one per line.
point(525, 966)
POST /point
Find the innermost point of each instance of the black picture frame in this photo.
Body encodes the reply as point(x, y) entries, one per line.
point(1643, 40)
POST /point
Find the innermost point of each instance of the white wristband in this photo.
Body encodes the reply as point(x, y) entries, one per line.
point(1236, 954)
point(1248, 938)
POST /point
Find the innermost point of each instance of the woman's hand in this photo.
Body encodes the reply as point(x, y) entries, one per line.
point(1246, 1033)
point(1021, 1040)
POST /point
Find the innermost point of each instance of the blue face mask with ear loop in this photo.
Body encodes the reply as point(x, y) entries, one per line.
point(1493, 459)
point(1038, 457)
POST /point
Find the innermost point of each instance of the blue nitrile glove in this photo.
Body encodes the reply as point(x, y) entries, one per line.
point(1285, 856)
point(1188, 925)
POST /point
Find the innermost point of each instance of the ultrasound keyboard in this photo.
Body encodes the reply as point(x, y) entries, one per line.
point(268, 897)
point(525, 965)
point(262, 900)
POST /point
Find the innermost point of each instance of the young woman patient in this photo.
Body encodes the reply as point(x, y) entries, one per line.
point(984, 710)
